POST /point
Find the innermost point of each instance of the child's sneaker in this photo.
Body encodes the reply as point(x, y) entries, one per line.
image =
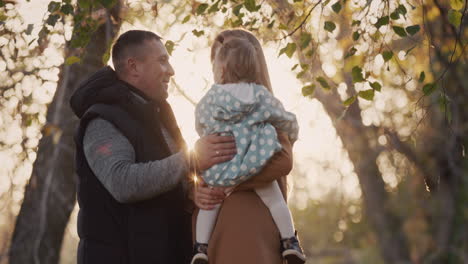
point(292, 251)
point(200, 253)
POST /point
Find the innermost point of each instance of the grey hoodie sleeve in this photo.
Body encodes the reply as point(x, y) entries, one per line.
point(112, 159)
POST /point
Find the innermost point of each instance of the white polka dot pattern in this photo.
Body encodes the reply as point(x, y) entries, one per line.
point(253, 124)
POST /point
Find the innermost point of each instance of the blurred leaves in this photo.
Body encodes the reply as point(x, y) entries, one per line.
point(323, 83)
point(454, 17)
point(382, 21)
point(329, 26)
point(308, 90)
point(399, 31)
point(387, 55)
point(367, 94)
point(429, 88)
point(288, 50)
point(169, 46)
point(337, 7)
point(357, 74)
point(72, 60)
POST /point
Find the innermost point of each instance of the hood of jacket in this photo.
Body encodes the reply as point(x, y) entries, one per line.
point(104, 87)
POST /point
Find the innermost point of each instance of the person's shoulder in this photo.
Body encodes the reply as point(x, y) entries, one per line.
point(100, 124)
point(260, 90)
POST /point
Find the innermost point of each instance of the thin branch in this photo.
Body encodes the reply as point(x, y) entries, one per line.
point(181, 91)
point(302, 23)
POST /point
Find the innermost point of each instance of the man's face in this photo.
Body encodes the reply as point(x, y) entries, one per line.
point(155, 71)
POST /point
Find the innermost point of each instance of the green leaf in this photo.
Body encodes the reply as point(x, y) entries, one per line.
point(198, 33)
point(72, 60)
point(457, 4)
point(401, 9)
point(85, 4)
point(422, 76)
point(201, 8)
point(294, 67)
point(282, 26)
point(305, 67)
point(305, 40)
point(336, 7)
point(214, 8)
point(29, 29)
point(329, 26)
point(412, 30)
point(376, 86)
point(387, 55)
point(270, 26)
point(454, 17)
point(169, 47)
point(351, 52)
point(52, 19)
point(349, 101)
point(67, 9)
point(186, 19)
point(310, 53)
point(236, 9)
point(3, 17)
point(288, 50)
point(308, 90)
point(367, 94)
point(250, 5)
point(323, 83)
point(236, 23)
point(53, 6)
point(357, 74)
point(356, 23)
point(300, 74)
point(429, 88)
point(382, 21)
point(356, 36)
point(395, 15)
point(107, 3)
point(399, 31)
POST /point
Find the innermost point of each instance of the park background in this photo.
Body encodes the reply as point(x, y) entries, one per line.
point(379, 88)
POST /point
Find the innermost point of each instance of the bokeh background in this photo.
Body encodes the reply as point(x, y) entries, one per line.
point(379, 88)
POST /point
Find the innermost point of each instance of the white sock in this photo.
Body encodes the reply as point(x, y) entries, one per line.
point(205, 224)
point(273, 198)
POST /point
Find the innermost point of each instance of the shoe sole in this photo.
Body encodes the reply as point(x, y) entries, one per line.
point(199, 259)
point(293, 257)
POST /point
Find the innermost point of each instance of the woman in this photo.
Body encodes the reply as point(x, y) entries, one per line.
point(247, 234)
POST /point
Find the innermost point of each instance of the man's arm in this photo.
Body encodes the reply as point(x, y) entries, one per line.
point(112, 159)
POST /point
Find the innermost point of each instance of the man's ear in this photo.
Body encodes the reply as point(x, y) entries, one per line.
point(132, 67)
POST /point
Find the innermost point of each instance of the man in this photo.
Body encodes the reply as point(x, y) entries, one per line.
point(131, 160)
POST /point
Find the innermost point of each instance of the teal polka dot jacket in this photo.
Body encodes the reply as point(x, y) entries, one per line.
point(250, 113)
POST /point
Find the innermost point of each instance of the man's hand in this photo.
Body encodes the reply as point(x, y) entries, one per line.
point(207, 197)
point(214, 149)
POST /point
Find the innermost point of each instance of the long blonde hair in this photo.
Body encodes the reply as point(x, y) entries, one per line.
point(262, 76)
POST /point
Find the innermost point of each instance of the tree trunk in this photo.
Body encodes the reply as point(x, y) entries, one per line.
point(50, 194)
point(363, 150)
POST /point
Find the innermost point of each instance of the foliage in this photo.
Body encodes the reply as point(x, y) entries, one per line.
point(399, 77)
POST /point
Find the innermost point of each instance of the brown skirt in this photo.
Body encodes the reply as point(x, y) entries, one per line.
point(244, 233)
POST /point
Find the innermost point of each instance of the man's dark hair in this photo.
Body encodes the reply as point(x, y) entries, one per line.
point(129, 44)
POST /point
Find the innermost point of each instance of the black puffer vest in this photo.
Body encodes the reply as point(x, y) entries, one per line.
point(155, 231)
